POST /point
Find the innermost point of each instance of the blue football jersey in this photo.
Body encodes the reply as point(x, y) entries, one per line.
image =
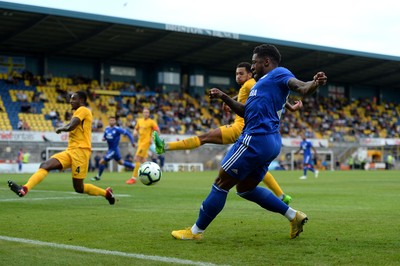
point(260, 141)
point(306, 147)
point(266, 102)
point(113, 136)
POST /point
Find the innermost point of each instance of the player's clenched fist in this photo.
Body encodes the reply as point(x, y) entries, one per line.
point(320, 78)
point(215, 93)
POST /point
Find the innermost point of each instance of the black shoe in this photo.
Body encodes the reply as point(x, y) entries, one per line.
point(19, 190)
point(110, 196)
point(95, 178)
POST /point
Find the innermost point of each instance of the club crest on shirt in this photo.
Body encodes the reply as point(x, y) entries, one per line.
point(253, 93)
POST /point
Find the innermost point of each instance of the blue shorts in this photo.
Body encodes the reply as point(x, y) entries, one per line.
point(251, 156)
point(308, 160)
point(112, 154)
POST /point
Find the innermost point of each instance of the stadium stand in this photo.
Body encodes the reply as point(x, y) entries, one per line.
point(340, 120)
point(178, 114)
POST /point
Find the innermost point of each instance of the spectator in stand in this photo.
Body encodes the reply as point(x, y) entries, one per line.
point(102, 107)
point(132, 86)
point(95, 124)
point(58, 123)
point(25, 107)
point(23, 125)
point(53, 114)
point(19, 159)
point(35, 97)
point(111, 101)
point(67, 116)
point(90, 93)
point(21, 96)
point(43, 97)
point(60, 98)
point(100, 125)
point(20, 124)
point(130, 122)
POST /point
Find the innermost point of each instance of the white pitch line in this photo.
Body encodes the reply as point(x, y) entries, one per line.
point(106, 252)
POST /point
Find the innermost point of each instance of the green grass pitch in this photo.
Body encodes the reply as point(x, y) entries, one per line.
point(353, 220)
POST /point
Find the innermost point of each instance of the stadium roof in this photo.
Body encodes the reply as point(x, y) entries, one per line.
point(39, 31)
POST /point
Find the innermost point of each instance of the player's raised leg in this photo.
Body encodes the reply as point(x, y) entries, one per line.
point(185, 144)
point(214, 136)
point(93, 190)
point(36, 178)
point(160, 145)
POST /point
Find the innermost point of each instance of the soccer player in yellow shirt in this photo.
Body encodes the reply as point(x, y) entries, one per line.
point(144, 129)
point(76, 156)
point(228, 134)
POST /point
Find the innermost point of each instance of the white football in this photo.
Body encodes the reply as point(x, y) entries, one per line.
point(149, 173)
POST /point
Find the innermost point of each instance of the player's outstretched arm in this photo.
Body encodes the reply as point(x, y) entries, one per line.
point(309, 87)
point(237, 107)
point(296, 152)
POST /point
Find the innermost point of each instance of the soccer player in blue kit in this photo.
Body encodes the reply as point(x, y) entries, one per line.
point(246, 163)
point(306, 146)
point(112, 134)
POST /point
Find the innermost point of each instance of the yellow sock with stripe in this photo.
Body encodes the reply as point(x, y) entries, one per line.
point(93, 190)
point(136, 170)
point(185, 144)
point(271, 183)
point(36, 178)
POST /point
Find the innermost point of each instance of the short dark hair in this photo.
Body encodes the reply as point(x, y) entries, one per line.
point(246, 65)
point(268, 50)
point(82, 95)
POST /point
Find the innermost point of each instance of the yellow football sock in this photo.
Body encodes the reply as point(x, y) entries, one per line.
point(136, 170)
point(93, 190)
point(271, 183)
point(36, 178)
point(185, 144)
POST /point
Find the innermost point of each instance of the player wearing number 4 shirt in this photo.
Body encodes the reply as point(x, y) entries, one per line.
point(76, 156)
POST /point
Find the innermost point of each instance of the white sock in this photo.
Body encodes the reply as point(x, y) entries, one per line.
point(196, 230)
point(290, 214)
